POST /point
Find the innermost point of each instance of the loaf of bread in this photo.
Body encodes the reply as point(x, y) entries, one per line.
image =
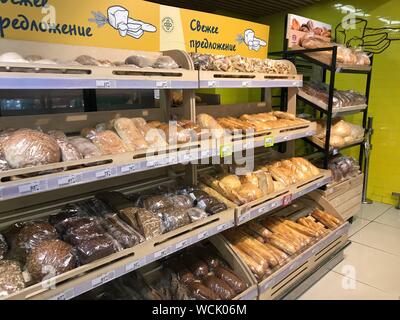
point(68, 150)
point(130, 135)
point(328, 220)
point(205, 121)
point(219, 287)
point(11, 278)
point(85, 147)
point(3, 247)
point(120, 231)
point(27, 148)
point(49, 259)
point(249, 192)
point(302, 229)
point(149, 224)
point(108, 142)
point(141, 61)
point(259, 270)
point(198, 267)
point(183, 273)
point(174, 133)
point(237, 284)
point(96, 248)
point(201, 292)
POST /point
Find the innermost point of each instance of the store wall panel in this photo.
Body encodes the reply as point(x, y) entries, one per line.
point(384, 97)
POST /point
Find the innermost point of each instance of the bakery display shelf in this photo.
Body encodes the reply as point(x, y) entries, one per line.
point(320, 144)
point(254, 209)
point(87, 277)
point(337, 188)
point(305, 263)
point(340, 111)
point(229, 256)
point(220, 79)
point(20, 182)
point(269, 137)
point(39, 76)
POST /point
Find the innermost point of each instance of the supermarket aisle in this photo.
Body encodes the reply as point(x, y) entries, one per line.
point(371, 268)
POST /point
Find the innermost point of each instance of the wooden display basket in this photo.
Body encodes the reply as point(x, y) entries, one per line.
point(251, 293)
point(263, 205)
point(321, 144)
point(344, 196)
point(302, 266)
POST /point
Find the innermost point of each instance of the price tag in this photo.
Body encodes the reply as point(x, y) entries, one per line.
point(274, 205)
point(103, 279)
point(221, 227)
point(293, 266)
point(103, 174)
point(269, 142)
point(129, 168)
point(1, 193)
point(245, 84)
point(182, 244)
point(244, 217)
point(287, 200)
point(151, 164)
point(135, 265)
point(226, 150)
point(202, 235)
point(163, 84)
point(65, 295)
point(105, 84)
point(29, 188)
point(67, 181)
point(161, 254)
point(185, 157)
point(173, 159)
point(212, 84)
point(263, 209)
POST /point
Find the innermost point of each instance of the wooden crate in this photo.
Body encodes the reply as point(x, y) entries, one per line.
point(251, 293)
point(305, 263)
point(344, 196)
point(321, 144)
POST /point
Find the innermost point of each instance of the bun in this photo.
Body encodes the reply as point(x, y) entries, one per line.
point(341, 128)
point(337, 141)
point(231, 181)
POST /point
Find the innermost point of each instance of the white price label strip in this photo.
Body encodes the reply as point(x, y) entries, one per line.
point(244, 217)
point(212, 84)
point(245, 84)
point(161, 254)
point(67, 181)
point(163, 84)
point(105, 84)
point(103, 279)
point(29, 188)
point(135, 265)
point(182, 244)
point(202, 235)
point(129, 168)
point(106, 173)
point(221, 227)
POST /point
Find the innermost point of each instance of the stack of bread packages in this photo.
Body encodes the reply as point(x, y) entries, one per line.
point(197, 273)
point(267, 179)
point(269, 243)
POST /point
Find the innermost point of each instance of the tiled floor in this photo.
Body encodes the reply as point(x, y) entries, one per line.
point(371, 268)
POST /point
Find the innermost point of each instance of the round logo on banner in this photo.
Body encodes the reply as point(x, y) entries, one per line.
point(167, 24)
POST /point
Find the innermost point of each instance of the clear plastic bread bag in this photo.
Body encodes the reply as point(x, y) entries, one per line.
point(174, 218)
point(68, 151)
point(11, 278)
point(165, 62)
point(108, 142)
point(3, 247)
point(85, 147)
point(157, 202)
point(49, 259)
point(122, 232)
point(196, 214)
point(141, 60)
point(63, 220)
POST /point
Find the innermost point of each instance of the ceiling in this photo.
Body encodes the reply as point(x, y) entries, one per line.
point(253, 9)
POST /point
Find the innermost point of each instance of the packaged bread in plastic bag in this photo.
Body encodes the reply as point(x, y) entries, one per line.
point(196, 214)
point(142, 61)
point(83, 229)
point(27, 148)
point(28, 235)
point(11, 278)
point(121, 232)
point(3, 247)
point(149, 224)
point(108, 142)
point(174, 218)
point(219, 287)
point(85, 147)
point(49, 259)
point(157, 202)
point(130, 134)
point(67, 217)
point(68, 151)
point(165, 62)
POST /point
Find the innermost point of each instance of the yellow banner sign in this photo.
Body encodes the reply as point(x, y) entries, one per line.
point(130, 24)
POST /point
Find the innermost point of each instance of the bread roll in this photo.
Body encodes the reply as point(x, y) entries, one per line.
point(337, 141)
point(232, 181)
point(129, 134)
point(284, 115)
point(27, 148)
point(249, 192)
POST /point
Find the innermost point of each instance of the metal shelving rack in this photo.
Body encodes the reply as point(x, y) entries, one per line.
point(334, 68)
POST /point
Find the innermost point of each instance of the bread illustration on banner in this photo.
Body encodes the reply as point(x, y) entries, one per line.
point(118, 17)
point(252, 41)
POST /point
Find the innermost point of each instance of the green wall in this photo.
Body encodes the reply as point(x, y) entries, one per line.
point(385, 92)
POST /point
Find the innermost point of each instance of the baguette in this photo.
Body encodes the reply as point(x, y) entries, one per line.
point(259, 229)
point(282, 244)
point(259, 248)
point(299, 228)
point(319, 225)
point(240, 243)
point(307, 164)
point(214, 183)
point(325, 219)
point(329, 216)
point(279, 254)
point(258, 270)
point(253, 234)
point(301, 238)
point(310, 223)
point(284, 115)
point(275, 228)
